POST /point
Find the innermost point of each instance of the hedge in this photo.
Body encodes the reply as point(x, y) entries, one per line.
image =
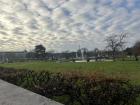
point(74, 88)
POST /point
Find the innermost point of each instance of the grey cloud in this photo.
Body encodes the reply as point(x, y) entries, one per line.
point(33, 24)
point(18, 31)
point(3, 33)
point(63, 24)
point(2, 27)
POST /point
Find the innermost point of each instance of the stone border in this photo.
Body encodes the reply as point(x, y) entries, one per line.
point(14, 95)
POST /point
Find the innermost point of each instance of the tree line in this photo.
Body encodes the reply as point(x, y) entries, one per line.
point(116, 43)
point(115, 48)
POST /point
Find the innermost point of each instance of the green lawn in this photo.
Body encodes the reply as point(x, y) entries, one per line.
point(126, 69)
point(129, 69)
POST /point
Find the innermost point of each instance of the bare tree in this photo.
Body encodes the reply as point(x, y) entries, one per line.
point(115, 43)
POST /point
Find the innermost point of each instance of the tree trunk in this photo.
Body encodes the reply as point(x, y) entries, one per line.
point(136, 57)
point(114, 55)
point(123, 56)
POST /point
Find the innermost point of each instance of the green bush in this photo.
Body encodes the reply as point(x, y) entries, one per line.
point(75, 88)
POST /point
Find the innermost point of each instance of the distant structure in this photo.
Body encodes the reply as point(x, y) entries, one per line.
point(11, 56)
point(81, 53)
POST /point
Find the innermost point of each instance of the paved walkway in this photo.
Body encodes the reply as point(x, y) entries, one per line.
point(13, 95)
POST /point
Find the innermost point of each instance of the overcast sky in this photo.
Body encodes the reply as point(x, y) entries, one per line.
point(66, 24)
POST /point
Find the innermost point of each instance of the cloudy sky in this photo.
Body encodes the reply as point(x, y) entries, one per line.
point(66, 24)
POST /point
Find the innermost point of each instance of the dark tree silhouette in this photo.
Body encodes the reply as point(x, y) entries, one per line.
point(129, 52)
point(40, 51)
point(136, 49)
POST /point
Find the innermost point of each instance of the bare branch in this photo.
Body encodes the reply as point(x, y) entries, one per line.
point(116, 42)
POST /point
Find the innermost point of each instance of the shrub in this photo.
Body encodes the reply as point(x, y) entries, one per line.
point(74, 88)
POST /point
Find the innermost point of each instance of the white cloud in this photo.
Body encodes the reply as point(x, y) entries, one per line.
point(65, 24)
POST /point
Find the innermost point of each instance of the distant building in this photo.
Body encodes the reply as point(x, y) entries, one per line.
point(11, 56)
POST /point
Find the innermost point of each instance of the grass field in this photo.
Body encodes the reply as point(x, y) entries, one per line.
point(128, 69)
